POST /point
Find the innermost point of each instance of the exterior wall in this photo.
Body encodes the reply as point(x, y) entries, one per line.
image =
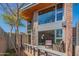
point(74, 34)
point(43, 27)
point(3, 42)
point(74, 39)
point(68, 28)
point(24, 38)
point(50, 26)
point(11, 40)
point(3, 46)
point(77, 40)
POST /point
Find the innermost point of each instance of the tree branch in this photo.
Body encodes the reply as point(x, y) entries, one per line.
point(10, 9)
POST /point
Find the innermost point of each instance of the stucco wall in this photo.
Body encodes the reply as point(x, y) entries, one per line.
point(3, 45)
point(3, 42)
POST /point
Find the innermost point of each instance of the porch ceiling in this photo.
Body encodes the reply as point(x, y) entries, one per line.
point(28, 13)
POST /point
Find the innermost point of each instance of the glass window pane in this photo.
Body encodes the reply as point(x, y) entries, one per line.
point(46, 18)
point(58, 41)
point(60, 10)
point(59, 16)
point(59, 33)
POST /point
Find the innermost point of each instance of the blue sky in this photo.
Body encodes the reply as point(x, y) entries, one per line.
point(22, 29)
point(75, 14)
point(5, 26)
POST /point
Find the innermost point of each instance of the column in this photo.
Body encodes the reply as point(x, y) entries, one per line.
point(35, 29)
point(68, 28)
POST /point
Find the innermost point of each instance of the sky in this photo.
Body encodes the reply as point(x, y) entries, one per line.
point(75, 14)
point(6, 28)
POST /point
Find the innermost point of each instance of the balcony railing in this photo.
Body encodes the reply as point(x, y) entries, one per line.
point(32, 50)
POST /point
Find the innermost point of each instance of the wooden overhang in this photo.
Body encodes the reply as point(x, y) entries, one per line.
point(28, 12)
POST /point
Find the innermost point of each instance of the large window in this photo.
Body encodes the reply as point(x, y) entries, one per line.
point(54, 35)
point(51, 14)
point(46, 17)
point(46, 35)
point(59, 12)
point(59, 16)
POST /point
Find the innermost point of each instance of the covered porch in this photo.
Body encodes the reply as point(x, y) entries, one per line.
point(31, 14)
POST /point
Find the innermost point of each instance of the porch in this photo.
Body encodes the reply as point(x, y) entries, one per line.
point(32, 50)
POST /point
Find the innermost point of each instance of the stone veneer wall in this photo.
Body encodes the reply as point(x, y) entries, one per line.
point(34, 33)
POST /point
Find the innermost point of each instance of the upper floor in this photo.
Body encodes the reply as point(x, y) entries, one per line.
point(51, 14)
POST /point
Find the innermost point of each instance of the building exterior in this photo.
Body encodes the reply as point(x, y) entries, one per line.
point(50, 21)
point(74, 39)
point(3, 42)
point(77, 39)
point(29, 32)
point(74, 33)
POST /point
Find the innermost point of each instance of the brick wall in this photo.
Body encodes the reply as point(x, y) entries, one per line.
point(68, 29)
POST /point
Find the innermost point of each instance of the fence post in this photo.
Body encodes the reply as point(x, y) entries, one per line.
point(46, 53)
point(34, 51)
point(28, 48)
point(38, 52)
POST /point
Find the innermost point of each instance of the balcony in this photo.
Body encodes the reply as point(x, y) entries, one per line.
point(32, 50)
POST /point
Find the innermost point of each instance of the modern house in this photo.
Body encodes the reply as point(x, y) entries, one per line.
point(50, 21)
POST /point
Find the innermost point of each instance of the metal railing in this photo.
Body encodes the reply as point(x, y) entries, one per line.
point(41, 51)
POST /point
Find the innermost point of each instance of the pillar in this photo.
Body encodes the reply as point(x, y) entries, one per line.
point(34, 33)
point(68, 28)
